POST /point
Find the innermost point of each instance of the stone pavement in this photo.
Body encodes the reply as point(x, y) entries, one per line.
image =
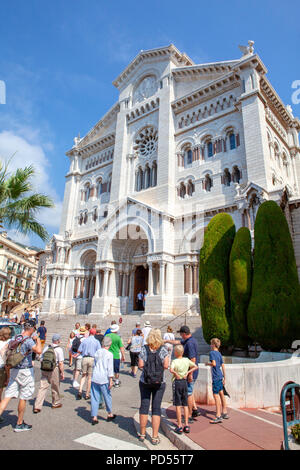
point(69, 427)
point(246, 429)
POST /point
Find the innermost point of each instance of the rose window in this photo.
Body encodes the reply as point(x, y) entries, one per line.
point(146, 143)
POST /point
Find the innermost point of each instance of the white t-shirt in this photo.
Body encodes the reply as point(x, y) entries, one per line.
point(146, 332)
point(171, 337)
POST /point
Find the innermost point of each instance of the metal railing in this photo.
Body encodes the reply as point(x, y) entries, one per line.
point(290, 413)
point(178, 316)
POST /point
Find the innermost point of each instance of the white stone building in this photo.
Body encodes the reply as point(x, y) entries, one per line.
point(184, 142)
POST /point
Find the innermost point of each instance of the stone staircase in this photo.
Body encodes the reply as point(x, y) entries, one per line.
point(65, 324)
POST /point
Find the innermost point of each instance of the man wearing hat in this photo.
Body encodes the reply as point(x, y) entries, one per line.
point(146, 330)
point(117, 349)
point(87, 349)
point(80, 336)
point(51, 377)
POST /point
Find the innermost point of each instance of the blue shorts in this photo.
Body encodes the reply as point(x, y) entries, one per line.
point(217, 386)
point(190, 388)
point(116, 366)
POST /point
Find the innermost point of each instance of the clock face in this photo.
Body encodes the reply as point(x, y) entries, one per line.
point(146, 142)
point(145, 89)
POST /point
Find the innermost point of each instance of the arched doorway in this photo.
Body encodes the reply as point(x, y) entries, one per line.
point(140, 286)
point(86, 288)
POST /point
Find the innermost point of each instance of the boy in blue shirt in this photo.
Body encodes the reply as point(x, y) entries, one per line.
point(218, 380)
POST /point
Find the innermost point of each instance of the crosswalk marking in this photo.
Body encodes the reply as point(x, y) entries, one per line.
point(102, 442)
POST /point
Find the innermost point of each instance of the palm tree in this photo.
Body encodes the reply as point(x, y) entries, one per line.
point(19, 205)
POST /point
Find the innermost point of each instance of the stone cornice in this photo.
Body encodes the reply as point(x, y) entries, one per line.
point(169, 52)
point(277, 105)
point(93, 147)
point(194, 71)
point(206, 92)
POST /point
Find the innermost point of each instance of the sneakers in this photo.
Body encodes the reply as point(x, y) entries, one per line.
point(196, 413)
point(191, 420)
point(23, 427)
point(117, 384)
point(224, 416)
point(218, 419)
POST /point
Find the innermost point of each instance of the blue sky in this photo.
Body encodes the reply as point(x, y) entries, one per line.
point(58, 59)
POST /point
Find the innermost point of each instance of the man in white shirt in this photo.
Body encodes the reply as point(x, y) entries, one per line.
point(102, 382)
point(52, 377)
point(146, 330)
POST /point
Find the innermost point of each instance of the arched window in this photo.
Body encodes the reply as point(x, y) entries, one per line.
point(210, 149)
point(207, 183)
point(154, 174)
point(87, 192)
point(80, 221)
point(95, 215)
point(189, 157)
point(227, 177)
point(236, 175)
point(109, 183)
point(182, 190)
point(147, 176)
point(190, 188)
point(85, 217)
point(232, 141)
point(99, 187)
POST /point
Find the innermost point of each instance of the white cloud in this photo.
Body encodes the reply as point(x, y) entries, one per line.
point(24, 153)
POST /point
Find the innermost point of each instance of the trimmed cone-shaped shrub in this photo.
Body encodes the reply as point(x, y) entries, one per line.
point(214, 279)
point(240, 272)
point(274, 308)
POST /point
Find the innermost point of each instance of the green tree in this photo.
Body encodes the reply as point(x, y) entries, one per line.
point(274, 308)
point(240, 271)
point(19, 204)
point(214, 279)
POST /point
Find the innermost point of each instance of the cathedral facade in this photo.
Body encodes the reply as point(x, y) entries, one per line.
point(184, 142)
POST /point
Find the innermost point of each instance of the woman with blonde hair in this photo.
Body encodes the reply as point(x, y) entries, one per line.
point(5, 335)
point(153, 360)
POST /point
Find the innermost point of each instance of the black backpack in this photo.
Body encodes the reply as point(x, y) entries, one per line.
point(153, 368)
point(76, 343)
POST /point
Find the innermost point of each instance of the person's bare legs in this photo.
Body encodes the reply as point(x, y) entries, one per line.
point(218, 405)
point(143, 424)
point(190, 404)
point(223, 401)
point(155, 426)
point(186, 415)
point(21, 410)
point(4, 404)
point(178, 416)
point(88, 387)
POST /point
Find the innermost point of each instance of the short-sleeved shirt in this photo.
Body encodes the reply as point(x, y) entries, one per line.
point(26, 347)
point(41, 331)
point(216, 371)
point(89, 347)
point(136, 344)
point(163, 353)
point(115, 345)
point(26, 315)
point(181, 366)
point(191, 349)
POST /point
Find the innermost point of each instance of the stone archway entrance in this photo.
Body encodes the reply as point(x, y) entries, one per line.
point(140, 285)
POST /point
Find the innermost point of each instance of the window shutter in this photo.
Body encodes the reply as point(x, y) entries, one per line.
point(237, 140)
point(224, 145)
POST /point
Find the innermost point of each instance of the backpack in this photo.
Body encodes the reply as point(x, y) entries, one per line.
point(49, 360)
point(153, 368)
point(14, 356)
point(76, 343)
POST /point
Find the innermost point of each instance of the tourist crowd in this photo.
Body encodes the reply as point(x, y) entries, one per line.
point(97, 359)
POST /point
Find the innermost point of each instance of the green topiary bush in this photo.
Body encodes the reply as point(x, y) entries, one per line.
point(240, 272)
point(214, 279)
point(274, 308)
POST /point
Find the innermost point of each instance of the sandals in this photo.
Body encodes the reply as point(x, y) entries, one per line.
point(186, 429)
point(155, 441)
point(178, 430)
point(142, 437)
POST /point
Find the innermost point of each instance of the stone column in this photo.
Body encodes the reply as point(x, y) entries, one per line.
point(125, 281)
point(97, 286)
point(47, 289)
point(162, 278)
point(121, 281)
point(150, 279)
point(105, 282)
point(81, 287)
